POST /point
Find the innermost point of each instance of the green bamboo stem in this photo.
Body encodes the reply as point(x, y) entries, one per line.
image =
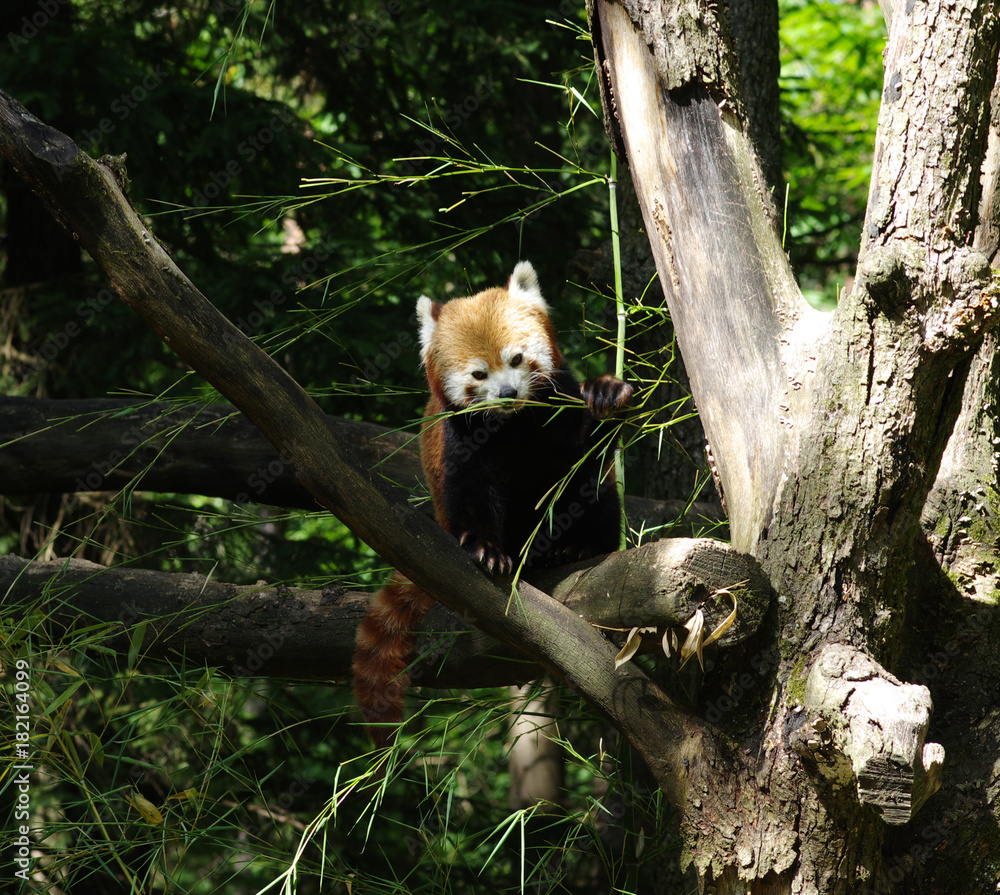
point(620, 334)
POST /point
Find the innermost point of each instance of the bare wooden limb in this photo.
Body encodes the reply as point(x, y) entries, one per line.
point(933, 125)
point(535, 757)
point(113, 444)
point(260, 630)
point(275, 630)
point(863, 727)
point(732, 297)
point(661, 584)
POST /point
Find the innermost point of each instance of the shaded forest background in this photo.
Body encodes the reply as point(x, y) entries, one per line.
point(290, 157)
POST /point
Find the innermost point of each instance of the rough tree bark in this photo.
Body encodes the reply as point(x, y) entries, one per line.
point(954, 584)
point(826, 431)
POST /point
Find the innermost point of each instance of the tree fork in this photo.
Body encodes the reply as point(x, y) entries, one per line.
point(892, 366)
point(823, 470)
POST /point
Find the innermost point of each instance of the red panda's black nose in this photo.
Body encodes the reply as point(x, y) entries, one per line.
point(508, 392)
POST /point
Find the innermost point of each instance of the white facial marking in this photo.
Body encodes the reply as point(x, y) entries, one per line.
point(509, 385)
point(454, 384)
point(539, 350)
point(510, 354)
point(520, 367)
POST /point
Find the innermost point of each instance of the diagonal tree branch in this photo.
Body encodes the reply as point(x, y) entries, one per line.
point(87, 198)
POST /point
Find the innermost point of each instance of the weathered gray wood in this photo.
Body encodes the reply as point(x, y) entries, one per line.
point(864, 728)
point(535, 758)
point(727, 282)
point(661, 584)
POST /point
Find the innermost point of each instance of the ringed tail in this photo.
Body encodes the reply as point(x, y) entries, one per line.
point(383, 650)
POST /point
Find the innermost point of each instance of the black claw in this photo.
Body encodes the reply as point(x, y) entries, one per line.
point(606, 394)
point(487, 554)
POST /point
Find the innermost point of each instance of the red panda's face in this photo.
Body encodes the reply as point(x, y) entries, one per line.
point(494, 348)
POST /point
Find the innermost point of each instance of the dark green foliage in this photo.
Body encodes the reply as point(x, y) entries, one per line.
point(831, 81)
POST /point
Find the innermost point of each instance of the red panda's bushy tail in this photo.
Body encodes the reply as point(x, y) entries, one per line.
point(383, 650)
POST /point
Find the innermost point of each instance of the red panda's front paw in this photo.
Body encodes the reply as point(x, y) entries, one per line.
point(606, 394)
point(493, 560)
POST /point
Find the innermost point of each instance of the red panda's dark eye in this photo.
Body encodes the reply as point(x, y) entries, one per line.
point(478, 374)
point(515, 361)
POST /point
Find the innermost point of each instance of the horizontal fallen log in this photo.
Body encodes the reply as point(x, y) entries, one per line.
point(280, 631)
point(111, 444)
point(114, 444)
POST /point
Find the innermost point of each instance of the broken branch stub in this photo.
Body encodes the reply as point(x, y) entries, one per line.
point(866, 726)
point(662, 584)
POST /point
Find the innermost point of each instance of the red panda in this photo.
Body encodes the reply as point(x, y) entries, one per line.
point(504, 424)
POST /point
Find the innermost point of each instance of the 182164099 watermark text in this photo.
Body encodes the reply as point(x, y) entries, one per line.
point(21, 768)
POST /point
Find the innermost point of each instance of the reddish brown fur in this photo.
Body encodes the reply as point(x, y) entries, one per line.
point(476, 326)
point(432, 456)
point(383, 652)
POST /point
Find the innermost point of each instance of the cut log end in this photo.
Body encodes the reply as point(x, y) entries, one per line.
point(877, 726)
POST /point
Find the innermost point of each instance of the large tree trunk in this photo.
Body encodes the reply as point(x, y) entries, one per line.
point(826, 431)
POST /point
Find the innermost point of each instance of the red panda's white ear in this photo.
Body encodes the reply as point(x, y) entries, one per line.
point(427, 314)
point(523, 286)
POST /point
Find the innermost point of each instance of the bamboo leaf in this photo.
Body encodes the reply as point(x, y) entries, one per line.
point(62, 697)
point(138, 636)
point(726, 624)
point(146, 809)
point(631, 647)
point(693, 643)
